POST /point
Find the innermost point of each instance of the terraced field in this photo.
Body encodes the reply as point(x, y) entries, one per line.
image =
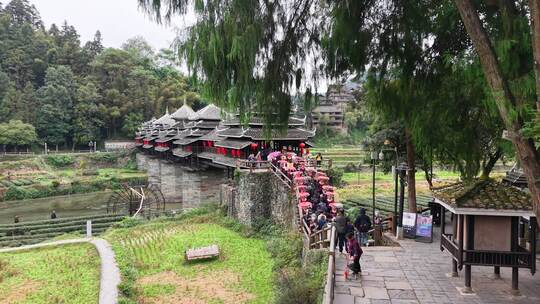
point(384, 205)
point(342, 156)
point(13, 235)
point(242, 273)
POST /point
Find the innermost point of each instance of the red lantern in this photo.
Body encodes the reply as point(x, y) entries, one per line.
point(254, 146)
point(233, 153)
point(302, 145)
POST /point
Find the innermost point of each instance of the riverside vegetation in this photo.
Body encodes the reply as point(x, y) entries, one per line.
point(61, 174)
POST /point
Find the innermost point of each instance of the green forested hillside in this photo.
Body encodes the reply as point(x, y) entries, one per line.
point(72, 91)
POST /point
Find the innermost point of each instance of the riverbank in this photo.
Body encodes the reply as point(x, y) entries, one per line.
point(64, 174)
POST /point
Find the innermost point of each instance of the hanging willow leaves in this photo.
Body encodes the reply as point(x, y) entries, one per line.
point(248, 55)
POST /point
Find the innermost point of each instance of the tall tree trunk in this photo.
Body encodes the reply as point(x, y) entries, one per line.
point(428, 176)
point(504, 99)
point(488, 166)
point(411, 182)
point(535, 28)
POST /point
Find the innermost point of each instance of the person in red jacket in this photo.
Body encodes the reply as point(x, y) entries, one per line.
point(355, 252)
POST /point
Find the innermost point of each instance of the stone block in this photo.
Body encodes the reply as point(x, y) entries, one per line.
point(401, 294)
point(357, 291)
point(398, 285)
point(343, 299)
point(376, 293)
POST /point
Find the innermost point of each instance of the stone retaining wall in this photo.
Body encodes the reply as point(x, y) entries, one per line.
point(259, 195)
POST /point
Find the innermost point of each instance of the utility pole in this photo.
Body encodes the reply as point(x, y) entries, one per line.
point(373, 160)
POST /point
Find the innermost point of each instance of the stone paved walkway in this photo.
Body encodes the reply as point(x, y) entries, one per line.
point(110, 274)
point(416, 273)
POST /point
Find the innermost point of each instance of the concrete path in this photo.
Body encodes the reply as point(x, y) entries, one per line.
point(416, 273)
point(109, 275)
point(381, 281)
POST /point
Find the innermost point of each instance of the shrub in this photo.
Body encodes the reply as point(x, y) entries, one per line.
point(109, 158)
point(90, 172)
point(303, 284)
point(60, 160)
point(15, 193)
point(26, 181)
point(17, 182)
point(128, 222)
point(336, 176)
point(7, 183)
point(55, 184)
point(350, 167)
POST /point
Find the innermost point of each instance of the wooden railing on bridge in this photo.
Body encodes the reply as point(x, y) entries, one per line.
point(263, 164)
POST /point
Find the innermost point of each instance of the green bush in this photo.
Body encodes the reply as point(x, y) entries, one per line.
point(303, 284)
point(336, 176)
point(26, 181)
point(109, 158)
point(90, 172)
point(15, 193)
point(60, 160)
point(128, 222)
point(17, 182)
point(55, 184)
point(350, 167)
point(7, 183)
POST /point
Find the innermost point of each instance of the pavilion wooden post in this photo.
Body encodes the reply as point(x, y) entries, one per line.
point(514, 246)
point(515, 287)
point(469, 246)
point(496, 273)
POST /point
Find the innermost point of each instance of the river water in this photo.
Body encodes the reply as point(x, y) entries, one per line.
point(181, 188)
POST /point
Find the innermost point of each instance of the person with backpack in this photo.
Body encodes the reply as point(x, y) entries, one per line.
point(341, 229)
point(362, 225)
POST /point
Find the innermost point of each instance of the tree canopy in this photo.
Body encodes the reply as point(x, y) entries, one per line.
point(73, 91)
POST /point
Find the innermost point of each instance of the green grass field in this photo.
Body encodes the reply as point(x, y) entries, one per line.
point(242, 274)
point(66, 274)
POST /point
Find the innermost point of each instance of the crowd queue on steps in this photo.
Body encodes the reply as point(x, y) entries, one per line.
point(316, 200)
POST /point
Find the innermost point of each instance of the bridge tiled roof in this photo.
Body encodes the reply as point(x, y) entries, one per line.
point(185, 141)
point(257, 121)
point(233, 144)
point(212, 135)
point(231, 132)
point(290, 134)
point(181, 153)
point(161, 149)
point(183, 113)
point(210, 112)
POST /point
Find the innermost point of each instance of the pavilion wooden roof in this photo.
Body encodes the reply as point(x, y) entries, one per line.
point(484, 194)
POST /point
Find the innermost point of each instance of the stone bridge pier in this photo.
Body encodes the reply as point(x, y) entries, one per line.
point(259, 195)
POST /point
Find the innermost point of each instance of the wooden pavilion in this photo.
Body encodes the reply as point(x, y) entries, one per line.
point(492, 224)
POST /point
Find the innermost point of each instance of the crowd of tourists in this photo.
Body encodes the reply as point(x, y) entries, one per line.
point(317, 203)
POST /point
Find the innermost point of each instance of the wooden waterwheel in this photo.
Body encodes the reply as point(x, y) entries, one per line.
point(144, 200)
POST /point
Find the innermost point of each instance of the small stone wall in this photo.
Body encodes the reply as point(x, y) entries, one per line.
point(258, 195)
